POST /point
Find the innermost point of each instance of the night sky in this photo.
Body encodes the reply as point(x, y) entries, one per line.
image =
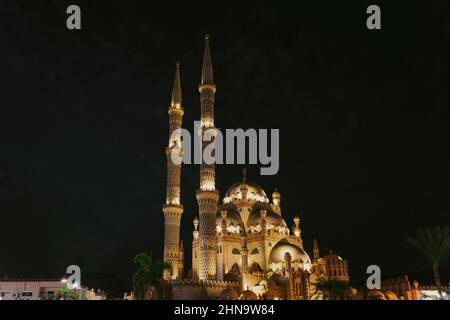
point(363, 118)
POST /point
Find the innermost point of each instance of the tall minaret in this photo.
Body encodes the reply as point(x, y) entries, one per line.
point(172, 208)
point(316, 250)
point(207, 195)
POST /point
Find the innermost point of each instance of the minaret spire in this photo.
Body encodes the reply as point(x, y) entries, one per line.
point(207, 69)
point(207, 195)
point(176, 91)
point(172, 207)
point(316, 249)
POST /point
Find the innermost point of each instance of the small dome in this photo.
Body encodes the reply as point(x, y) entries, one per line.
point(391, 295)
point(332, 256)
point(283, 247)
point(375, 294)
point(228, 294)
point(255, 218)
point(233, 218)
point(249, 295)
point(276, 198)
point(360, 295)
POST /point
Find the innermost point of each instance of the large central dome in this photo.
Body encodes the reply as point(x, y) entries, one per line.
point(253, 191)
point(251, 187)
point(245, 190)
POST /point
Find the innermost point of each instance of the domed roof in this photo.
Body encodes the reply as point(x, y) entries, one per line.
point(332, 256)
point(282, 247)
point(375, 294)
point(255, 218)
point(249, 295)
point(254, 191)
point(390, 295)
point(233, 218)
point(228, 294)
point(251, 187)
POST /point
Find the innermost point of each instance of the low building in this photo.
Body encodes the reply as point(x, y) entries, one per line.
point(91, 294)
point(31, 289)
point(431, 292)
point(400, 288)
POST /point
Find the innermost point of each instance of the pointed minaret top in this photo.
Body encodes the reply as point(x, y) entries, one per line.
point(316, 249)
point(176, 92)
point(207, 69)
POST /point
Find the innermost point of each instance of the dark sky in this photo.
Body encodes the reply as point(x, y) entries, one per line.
point(363, 118)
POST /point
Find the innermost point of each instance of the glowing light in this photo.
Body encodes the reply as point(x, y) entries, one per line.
point(227, 200)
point(208, 186)
point(250, 196)
point(207, 123)
point(233, 229)
point(173, 200)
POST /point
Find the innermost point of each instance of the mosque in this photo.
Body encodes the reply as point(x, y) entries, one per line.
point(242, 247)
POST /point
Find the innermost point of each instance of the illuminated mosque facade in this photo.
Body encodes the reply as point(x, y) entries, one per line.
point(242, 247)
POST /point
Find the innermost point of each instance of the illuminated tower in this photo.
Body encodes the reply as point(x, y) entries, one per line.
point(172, 208)
point(195, 250)
point(297, 231)
point(316, 250)
point(207, 195)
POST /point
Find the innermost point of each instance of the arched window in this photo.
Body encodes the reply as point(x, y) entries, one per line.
point(255, 267)
point(255, 251)
point(235, 251)
point(235, 268)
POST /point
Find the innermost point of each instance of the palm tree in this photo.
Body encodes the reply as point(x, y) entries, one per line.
point(148, 275)
point(434, 244)
point(334, 289)
point(65, 293)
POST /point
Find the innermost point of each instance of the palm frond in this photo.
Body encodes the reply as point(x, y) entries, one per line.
point(143, 260)
point(334, 289)
point(160, 266)
point(433, 243)
point(148, 275)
